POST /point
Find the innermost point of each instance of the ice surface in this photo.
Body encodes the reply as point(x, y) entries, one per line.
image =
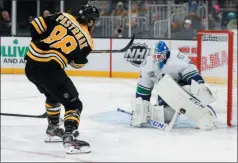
point(108, 131)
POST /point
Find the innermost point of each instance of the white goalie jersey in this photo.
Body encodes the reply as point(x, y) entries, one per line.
point(177, 65)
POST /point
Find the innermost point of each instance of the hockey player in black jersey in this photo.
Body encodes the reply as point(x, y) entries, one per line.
point(59, 40)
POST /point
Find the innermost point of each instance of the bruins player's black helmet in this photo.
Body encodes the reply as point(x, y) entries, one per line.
point(87, 13)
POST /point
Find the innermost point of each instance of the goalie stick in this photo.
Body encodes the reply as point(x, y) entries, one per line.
point(117, 51)
point(24, 115)
point(159, 125)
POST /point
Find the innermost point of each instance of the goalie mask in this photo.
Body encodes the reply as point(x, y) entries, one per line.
point(160, 54)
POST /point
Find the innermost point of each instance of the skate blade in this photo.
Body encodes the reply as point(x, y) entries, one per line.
point(53, 139)
point(73, 150)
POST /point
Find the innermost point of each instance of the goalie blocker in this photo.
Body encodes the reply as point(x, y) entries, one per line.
point(181, 101)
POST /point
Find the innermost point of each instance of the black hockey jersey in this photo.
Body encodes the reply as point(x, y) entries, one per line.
point(60, 38)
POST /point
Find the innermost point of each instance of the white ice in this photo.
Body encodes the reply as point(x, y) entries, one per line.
point(108, 131)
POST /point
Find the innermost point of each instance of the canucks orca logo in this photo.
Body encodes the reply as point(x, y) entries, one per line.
point(137, 53)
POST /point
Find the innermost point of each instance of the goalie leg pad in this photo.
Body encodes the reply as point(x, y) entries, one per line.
point(140, 111)
point(207, 121)
point(203, 92)
point(181, 101)
point(143, 111)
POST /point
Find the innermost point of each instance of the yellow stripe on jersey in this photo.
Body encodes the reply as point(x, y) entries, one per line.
point(82, 29)
point(43, 23)
point(39, 24)
point(36, 27)
point(39, 59)
point(37, 50)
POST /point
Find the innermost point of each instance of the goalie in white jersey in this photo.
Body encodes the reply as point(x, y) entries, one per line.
point(175, 78)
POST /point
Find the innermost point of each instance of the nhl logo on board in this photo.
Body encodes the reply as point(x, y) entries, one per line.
point(137, 53)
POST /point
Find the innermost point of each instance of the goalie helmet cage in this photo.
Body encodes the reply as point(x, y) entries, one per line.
point(217, 63)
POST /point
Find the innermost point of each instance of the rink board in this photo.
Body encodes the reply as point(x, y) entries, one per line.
point(117, 65)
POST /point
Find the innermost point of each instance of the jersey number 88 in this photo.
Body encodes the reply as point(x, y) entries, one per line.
point(58, 39)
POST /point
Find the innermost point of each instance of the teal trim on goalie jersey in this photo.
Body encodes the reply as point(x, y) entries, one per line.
point(143, 90)
point(192, 73)
point(189, 76)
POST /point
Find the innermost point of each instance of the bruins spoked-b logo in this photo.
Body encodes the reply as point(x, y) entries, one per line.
point(137, 53)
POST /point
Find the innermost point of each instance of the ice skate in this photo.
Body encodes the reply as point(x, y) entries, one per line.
point(73, 145)
point(54, 134)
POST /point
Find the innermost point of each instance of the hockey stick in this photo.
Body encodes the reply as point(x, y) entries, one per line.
point(117, 51)
point(123, 111)
point(24, 115)
point(159, 125)
point(156, 124)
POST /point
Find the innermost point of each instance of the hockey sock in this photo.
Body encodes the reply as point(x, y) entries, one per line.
point(53, 113)
point(71, 120)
